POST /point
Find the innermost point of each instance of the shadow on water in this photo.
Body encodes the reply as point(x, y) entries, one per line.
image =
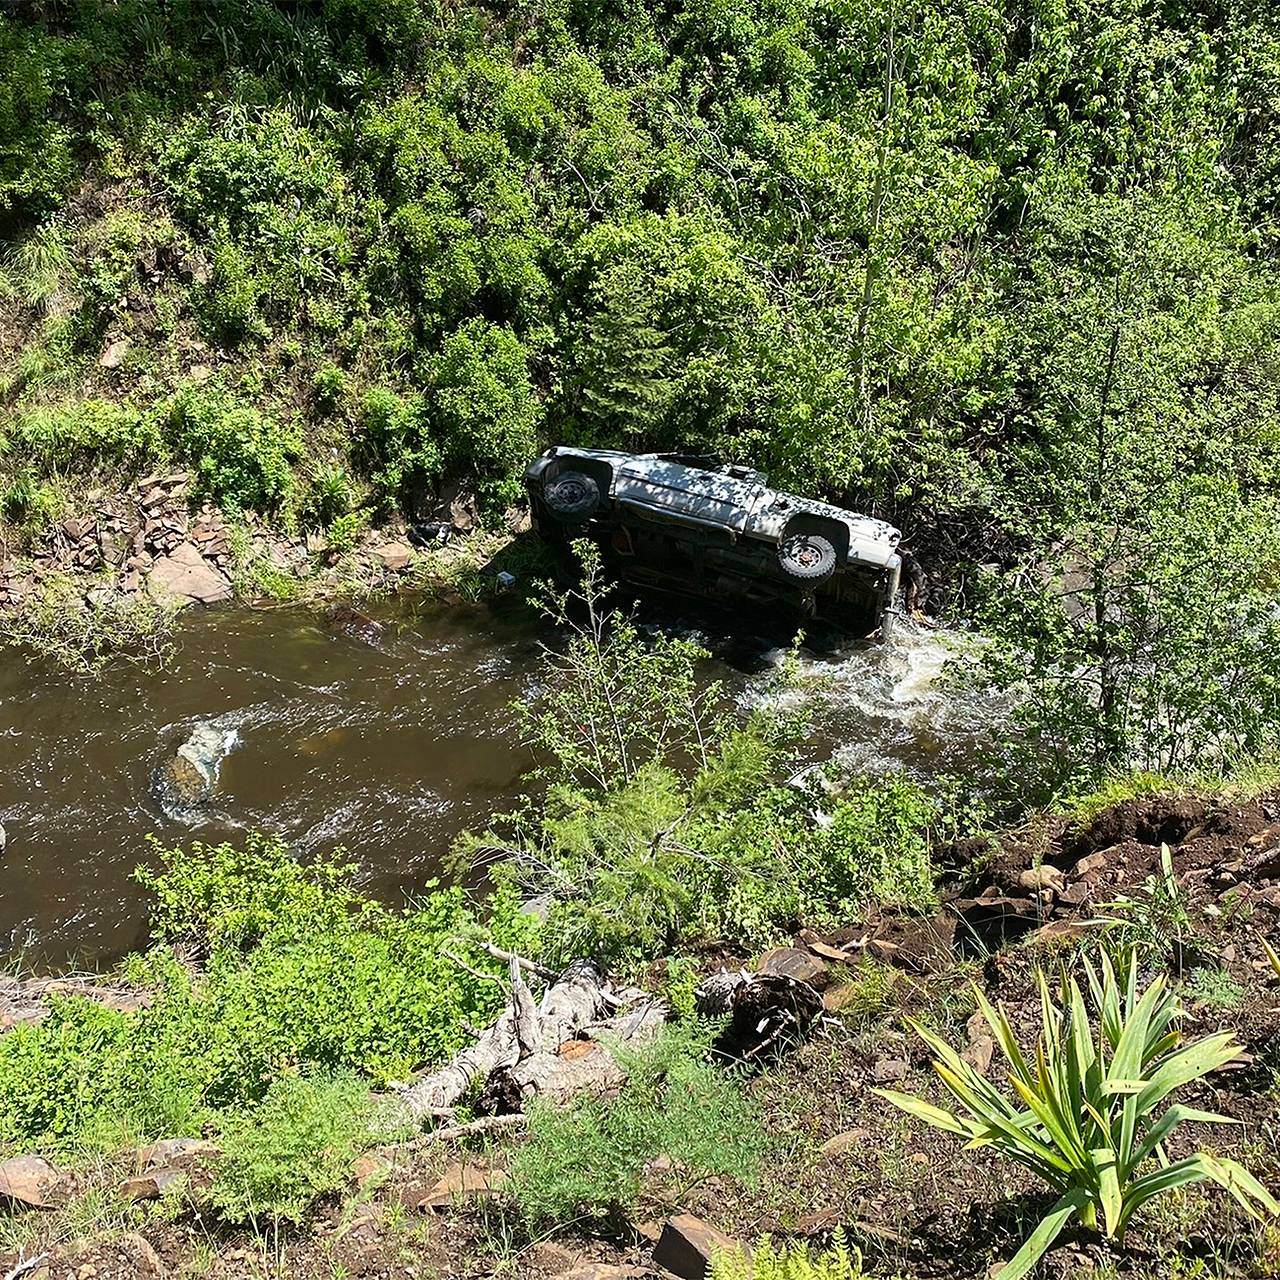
point(387, 748)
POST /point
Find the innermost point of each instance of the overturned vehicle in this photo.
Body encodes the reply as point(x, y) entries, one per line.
point(696, 526)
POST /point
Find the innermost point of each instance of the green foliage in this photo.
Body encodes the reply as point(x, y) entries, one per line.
point(1087, 1116)
point(35, 148)
point(589, 1160)
point(82, 436)
point(791, 1262)
point(241, 456)
point(663, 820)
point(1153, 919)
point(296, 1145)
point(296, 970)
point(62, 625)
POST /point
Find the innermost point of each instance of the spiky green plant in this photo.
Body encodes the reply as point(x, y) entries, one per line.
point(1087, 1119)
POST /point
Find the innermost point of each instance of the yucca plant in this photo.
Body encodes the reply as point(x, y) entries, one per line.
point(1088, 1118)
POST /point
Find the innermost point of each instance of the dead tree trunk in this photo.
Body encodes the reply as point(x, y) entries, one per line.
point(563, 1045)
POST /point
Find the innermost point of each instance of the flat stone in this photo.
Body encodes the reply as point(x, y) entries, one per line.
point(688, 1245)
point(791, 962)
point(30, 1180)
point(1042, 877)
point(462, 1181)
point(114, 354)
point(843, 1143)
point(153, 1185)
point(889, 1070)
point(394, 556)
point(185, 577)
point(180, 1153)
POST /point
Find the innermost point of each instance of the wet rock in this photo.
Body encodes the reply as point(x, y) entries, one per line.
point(154, 1184)
point(353, 623)
point(688, 1245)
point(185, 577)
point(31, 1181)
point(791, 962)
point(190, 777)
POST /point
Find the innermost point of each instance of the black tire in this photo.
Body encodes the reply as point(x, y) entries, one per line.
point(807, 557)
point(572, 497)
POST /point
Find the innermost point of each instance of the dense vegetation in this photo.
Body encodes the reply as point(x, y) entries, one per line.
point(1004, 273)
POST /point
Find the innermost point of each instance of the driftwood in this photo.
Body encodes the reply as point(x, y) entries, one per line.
point(563, 1045)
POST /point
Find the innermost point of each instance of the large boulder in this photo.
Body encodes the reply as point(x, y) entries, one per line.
point(185, 577)
point(30, 1181)
point(188, 779)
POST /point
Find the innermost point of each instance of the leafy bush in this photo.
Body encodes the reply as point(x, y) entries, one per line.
point(84, 435)
point(296, 1145)
point(590, 1159)
point(35, 148)
point(791, 1262)
point(58, 623)
point(397, 439)
point(240, 455)
point(1087, 1118)
point(662, 820)
point(298, 969)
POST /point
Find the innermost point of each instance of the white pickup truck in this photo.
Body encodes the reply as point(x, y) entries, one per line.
point(699, 527)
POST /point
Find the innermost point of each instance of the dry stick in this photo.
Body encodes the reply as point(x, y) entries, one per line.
point(486, 1124)
point(29, 1264)
point(538, 970)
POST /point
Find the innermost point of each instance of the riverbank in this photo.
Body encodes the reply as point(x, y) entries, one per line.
point(110, 578)
point(836, 1158)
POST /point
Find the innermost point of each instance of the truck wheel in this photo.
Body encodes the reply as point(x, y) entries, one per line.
point(807, 557)
point(572, 497)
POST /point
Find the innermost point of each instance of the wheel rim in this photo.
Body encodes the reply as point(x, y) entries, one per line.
point(805, 554)
point(570, 492)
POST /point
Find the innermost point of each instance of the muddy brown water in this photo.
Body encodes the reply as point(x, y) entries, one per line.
point(388, 750)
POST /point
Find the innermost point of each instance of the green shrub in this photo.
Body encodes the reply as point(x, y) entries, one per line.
point(791, 1262)
point(84, 435)
point(483, 399)
point(1086, 1118)
point(395, 437)
point(299, 970)
point(59, 623)
point(36, 162)
point(663, 821)
point(296, 1145)
point(240, 455)
point(589, 1159)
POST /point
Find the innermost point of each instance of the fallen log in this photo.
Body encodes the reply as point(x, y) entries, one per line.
point(563, 1045)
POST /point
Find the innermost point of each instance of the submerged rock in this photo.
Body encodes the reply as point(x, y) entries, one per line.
point(187, 780)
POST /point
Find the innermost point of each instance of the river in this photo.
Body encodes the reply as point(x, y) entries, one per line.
point(388, 749)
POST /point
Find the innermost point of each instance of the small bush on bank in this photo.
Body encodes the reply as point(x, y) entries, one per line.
point(295, 1146)
point(60, 624)
point(294, 968)
point(663, 821)
point(241, 455)
point(791, 1262)
point(589, 1160)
